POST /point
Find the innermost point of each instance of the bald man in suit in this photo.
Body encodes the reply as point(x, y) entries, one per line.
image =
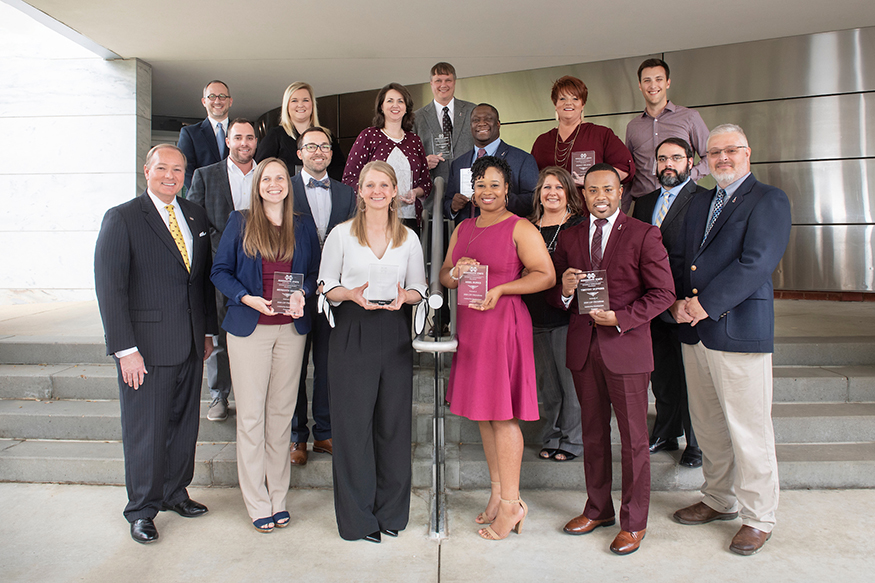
point(151, 269)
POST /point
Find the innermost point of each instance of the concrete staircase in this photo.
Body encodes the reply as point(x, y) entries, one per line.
point(59, 422)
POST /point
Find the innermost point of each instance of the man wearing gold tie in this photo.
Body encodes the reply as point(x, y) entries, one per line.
point(151, 268)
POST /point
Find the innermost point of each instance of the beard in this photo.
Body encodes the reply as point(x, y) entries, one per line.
point(669, 177)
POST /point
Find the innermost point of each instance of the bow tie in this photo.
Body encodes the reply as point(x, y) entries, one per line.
point(318, 183)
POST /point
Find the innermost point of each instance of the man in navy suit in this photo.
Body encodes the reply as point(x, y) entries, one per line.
point(486, 129)
point(329, 202)
point(221, 188)
point(151, 271)
point(733, 239)
point(666, 208)
point(204, 143)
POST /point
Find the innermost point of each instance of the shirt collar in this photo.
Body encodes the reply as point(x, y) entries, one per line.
point(669, 107)
point(673, 191)
point(451, 105)
point(490, 148)
point(730, 190)
point(611, 219)
point(306, 176)
point(160, 204)
point(235, 168)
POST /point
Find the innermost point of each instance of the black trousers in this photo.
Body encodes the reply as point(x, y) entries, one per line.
point(317, 341)
point(669, 384)
point(159, 434)
point(371, 377)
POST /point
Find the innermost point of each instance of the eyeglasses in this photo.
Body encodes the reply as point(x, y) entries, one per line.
point(675, 158)
point(313, 147)
point(219, 97)
point(730, 151)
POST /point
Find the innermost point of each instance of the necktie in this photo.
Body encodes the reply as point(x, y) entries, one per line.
point(318, 183)
point(663, 210)
point(481, 152)
point(177, 235)
point(220, 140)
point(718, 206)
point(596, 249)
point(447, 122)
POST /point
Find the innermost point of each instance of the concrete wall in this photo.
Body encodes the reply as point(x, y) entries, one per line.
point(74, 133)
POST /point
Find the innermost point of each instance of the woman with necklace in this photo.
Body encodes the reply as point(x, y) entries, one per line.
point(557, 207)
point(298, 113)
point(391, 139)
point(576, 145)
point(492, 380)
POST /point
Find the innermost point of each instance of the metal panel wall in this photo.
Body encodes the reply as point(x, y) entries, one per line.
point(805, 103)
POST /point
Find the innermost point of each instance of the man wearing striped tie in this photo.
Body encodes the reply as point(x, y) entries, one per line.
point(204, 143)
point(666, 208)
point(733, 239)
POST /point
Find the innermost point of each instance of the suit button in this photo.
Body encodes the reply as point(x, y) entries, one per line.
point(695, 291)
point(693, 268)
point(189, 310)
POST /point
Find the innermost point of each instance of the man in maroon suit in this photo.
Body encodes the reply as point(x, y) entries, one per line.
point(609, 351)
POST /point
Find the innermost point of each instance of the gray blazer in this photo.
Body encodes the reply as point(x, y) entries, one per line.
point(211, 189)
point(426, 126)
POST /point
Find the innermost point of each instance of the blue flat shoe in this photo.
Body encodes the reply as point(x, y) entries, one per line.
point(264, 525)
point(281, 519)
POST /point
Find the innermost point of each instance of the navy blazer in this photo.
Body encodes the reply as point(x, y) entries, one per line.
point(198, 143)
point(236, 274)
point(521, 190)
point(342, 201)
point(731, 273)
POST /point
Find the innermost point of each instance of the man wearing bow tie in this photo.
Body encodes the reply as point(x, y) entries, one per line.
point(151, 269)
point(329, 202)
point(733, 238)
point(221, 188)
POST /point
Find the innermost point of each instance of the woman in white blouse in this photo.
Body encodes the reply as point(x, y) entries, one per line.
point(371, 266)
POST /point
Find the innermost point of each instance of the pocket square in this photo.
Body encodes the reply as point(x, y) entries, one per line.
point(202, 234)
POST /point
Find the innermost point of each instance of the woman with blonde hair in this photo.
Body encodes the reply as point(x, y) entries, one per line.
point(298, 112)
point(371, 266)
point(266, 344)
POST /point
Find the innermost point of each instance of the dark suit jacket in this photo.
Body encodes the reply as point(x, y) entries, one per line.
point(640, 287)
point(146, 296)
point(732, 272)
point(342, 201)
point(236, 274)
point(426, 126)
point(198, 143)
point(211, 189)
point(521, 190)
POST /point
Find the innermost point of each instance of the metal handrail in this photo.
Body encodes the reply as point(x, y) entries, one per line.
point(438, 518)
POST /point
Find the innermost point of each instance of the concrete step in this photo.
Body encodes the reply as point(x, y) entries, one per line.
point(801, 466)
point(50, 349)
point(824, 351)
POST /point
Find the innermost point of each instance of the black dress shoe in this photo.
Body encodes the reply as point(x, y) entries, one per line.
point(692, 457)
point(143, 531)
point(662, 444)
point(374, 537)
point(188, 508)
point(389, 532)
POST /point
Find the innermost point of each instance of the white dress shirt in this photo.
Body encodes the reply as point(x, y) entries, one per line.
point(319, 200)
point(241, 184)
point(451, 106)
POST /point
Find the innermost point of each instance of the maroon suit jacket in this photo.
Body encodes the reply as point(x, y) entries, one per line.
point(640, 287)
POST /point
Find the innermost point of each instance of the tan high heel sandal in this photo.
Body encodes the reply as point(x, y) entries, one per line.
point(489, 534)
point(482, 518)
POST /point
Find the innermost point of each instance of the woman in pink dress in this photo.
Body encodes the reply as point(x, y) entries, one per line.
point(492, 380)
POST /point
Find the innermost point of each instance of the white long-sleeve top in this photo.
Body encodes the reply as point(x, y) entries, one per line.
point(346, 263)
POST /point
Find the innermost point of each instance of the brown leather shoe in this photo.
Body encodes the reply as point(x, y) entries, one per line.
point(323, 446)
point(583, 525)
point(701, 513)
point(627, 542)
point(299, 453)
point(748, 540)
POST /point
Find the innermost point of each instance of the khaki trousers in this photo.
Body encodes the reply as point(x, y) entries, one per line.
point(730, 397)
point(265, 367)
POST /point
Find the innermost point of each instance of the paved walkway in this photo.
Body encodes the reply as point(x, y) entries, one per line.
point(58, 533)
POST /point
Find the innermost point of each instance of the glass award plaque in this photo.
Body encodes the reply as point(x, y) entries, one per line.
point(581, 162)
point(466, 189)
point(284, 285)
point(382, 284)
point(443, 146)
point(473, 285)
point(592, 292)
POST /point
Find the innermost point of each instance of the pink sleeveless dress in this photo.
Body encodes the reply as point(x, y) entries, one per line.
point(493, 372)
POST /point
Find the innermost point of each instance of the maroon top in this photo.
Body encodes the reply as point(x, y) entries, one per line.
point(268, 268)
point(598, 139)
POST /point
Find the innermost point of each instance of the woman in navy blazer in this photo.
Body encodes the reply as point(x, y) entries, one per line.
point(265, 346)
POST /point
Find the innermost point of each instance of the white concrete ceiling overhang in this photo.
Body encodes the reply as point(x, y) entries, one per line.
point(260, 46)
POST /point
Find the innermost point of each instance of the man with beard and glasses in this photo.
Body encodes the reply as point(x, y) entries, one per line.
point(666, 208)
point(733, 239)
point(221, 188)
